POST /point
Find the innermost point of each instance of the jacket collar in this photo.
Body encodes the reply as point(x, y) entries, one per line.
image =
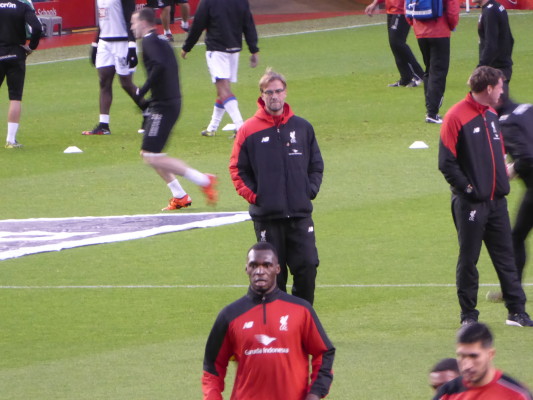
point(478, 106)
point(266, 298)
point(262, 114)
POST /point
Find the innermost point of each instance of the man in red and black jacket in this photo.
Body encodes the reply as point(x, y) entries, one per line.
point(277, 167)
point(433, 36)
point(479, 378)
point(272, 336)
point(471, 158)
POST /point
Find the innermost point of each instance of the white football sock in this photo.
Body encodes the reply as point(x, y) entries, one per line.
point(12, 128)
point(176, 189)
point(232, 107)
point(104, 119)
point(196, 177)
point(218, 113)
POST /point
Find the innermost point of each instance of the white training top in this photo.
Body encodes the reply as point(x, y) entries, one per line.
point(111, 20)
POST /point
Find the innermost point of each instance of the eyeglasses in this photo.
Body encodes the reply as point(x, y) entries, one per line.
point(271, 92)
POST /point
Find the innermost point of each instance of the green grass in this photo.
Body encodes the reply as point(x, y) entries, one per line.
point(382, 218)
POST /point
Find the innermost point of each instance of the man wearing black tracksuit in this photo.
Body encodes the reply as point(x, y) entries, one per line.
point(516, 121)
point(471, 158)
point(277, 167)
point(495, 38)
point(14, 15)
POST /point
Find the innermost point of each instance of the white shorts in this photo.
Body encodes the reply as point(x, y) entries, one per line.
point(222, 65)
point(113, 54)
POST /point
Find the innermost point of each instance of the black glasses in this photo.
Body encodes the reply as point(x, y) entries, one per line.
point(271, 92)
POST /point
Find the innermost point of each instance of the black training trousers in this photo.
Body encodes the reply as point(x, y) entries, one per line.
point(398, 29)
point(488, 222)
point(522, 227)
point(294, 240)
point(436, 55)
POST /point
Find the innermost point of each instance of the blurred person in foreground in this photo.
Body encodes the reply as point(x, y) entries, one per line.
point(479, 378)
point(444, 371)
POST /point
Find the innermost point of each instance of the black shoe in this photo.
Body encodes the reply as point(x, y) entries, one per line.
point(468, 321)
point(519, 319)
point(433, 119)
point(414, 83)
point(397, 84)
point(100, 129)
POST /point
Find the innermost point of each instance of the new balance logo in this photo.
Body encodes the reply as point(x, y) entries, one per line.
point(265, 139)
point(248, 325)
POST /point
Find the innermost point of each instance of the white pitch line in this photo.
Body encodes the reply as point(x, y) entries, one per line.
point(279, 35)
point(261, 37)
point(92, 287)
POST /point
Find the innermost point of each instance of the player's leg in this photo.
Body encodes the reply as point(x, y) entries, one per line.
point(470, 219)
point(522, 227)
point(123, 70)
point(185, 14)
point(105, 68)
point(302, 257)
point(105, 79)
point(438, 72)
point(126, 82)
point(15, 73)
point(396, 43)
point(498, 241)
point(223, 69)
point(157, 127)
point(165, 20)
point(410, 71)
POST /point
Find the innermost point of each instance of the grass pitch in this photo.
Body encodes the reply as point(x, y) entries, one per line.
point(385, 236)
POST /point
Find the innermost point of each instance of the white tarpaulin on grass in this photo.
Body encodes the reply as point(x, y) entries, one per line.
point(20, 237)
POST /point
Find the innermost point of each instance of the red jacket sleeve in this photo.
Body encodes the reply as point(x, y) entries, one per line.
point(240, 167)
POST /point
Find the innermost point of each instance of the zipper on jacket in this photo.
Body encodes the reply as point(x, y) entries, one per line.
point(493, 161)
point(280, 139)
point(264, 310)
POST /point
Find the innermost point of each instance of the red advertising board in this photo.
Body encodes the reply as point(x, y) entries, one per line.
point(75, 14)
point(82, 13)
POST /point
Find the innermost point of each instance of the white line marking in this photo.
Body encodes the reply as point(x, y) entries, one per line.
point(92, 287)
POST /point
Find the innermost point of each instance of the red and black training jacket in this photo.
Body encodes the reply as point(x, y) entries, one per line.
point(277, 168)
point(502, 387)
point(471, 151)
point(279, 344)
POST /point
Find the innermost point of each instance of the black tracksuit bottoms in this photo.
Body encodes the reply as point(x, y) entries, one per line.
point(398, 29)
point(488, 222)
point(294, 240)
point(522, 227)
point(436, 55)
